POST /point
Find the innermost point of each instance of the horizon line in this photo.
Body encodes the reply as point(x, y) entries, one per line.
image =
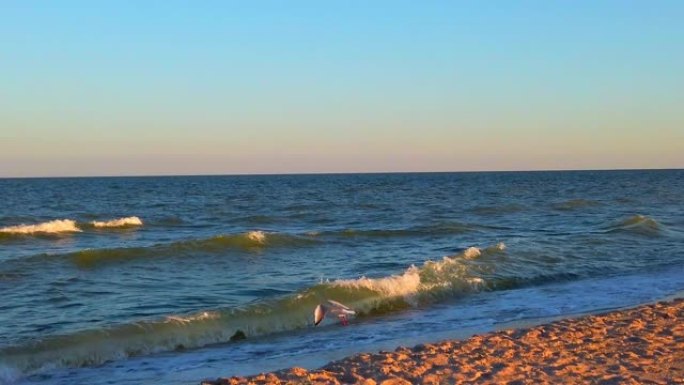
point(336, 173)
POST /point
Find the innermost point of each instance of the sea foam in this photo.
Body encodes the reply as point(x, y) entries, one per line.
point(119, 222)
point(449, 273)
point(257, 236)
point(52, 227)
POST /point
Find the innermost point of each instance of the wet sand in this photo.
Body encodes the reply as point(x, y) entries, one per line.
point(643, 345)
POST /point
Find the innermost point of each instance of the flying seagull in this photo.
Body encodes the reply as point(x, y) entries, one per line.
point(332, 307)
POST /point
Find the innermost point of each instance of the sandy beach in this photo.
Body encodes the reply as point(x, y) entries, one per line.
point(643, 345)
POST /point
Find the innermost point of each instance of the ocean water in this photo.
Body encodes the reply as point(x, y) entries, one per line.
point(147, 280)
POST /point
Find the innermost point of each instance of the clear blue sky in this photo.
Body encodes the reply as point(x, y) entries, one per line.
point(185, 87)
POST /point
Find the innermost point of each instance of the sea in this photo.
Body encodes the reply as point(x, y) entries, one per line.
point(172, 280)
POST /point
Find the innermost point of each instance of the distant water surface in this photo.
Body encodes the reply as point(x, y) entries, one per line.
point(146, 280)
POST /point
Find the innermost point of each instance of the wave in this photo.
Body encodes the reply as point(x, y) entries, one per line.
point(497, 210)
point(256, 220)
point(638, 224)
point(440, 228)
point(575, 204)
point(118, 223)
point(65, 226)
point(417, 285)
point(249, 242)
point(57, 226)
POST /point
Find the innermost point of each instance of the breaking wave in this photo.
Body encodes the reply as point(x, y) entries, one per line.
point(51, 227)
point(118, 223)
point(65, 226)
point(417, 285)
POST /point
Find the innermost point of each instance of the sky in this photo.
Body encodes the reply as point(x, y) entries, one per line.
point(241, 87)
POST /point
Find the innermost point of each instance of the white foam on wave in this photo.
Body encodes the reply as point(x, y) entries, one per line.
point(119, 222)
point(257, 236)
point(393, 286)
point(450, 272)
point(499, 247)
point(51, 227)
point(472, 253)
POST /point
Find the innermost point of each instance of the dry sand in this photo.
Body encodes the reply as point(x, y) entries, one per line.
point(644, 345)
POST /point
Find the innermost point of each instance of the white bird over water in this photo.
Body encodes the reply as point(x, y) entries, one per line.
point(332, 307)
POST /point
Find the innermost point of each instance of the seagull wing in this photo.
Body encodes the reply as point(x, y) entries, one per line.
point(319, 314)
point(341, 308)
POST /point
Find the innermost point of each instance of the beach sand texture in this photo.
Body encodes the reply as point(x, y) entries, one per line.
point(643, 345)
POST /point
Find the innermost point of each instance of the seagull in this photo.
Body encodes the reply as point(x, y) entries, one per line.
point(333, 307)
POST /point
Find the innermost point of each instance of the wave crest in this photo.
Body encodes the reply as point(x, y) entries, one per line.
point(253, 241)
point(247, 242)
point(51, 227)
point(258, 237)
point(64, 226)
point(451, 273)
point(638, 224)
point(118, 223)
point(440, 228)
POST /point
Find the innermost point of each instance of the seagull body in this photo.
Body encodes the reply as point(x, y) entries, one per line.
point(332, 307)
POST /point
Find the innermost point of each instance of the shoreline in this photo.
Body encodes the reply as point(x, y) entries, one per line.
point(643, 344)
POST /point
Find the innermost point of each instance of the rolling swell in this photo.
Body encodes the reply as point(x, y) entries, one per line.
point(440, 228)
point(575, 204)
point(434, 280)
point(246, 242)
point(498, 209)
point(249, 241)
point(69, 226)
point(638, 224)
